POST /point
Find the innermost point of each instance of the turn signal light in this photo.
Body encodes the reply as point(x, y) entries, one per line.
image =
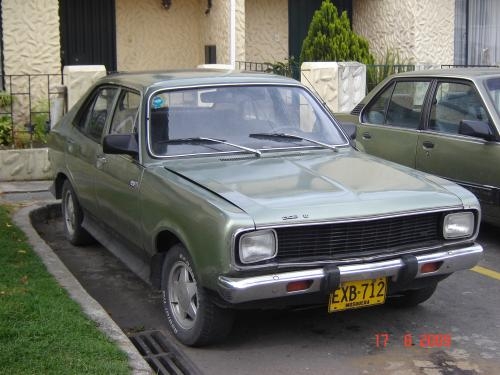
point(430, 267)
point(296, 286)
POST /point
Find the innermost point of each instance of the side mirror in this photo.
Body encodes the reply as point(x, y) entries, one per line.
point(349, 129)
point(120, 144)
point(475, 128)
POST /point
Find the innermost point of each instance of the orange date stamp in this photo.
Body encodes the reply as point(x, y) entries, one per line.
point(424, 340)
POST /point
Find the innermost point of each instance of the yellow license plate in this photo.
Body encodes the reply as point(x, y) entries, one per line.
point(356, 294)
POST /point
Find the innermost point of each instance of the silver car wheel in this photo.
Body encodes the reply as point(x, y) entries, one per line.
point(183, 295)
point(69, 213)
point(73, 217)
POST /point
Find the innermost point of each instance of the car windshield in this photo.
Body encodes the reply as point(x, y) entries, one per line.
point(493, 86)
point(228, 119)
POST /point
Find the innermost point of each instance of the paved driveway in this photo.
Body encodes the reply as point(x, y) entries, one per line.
point(456, 332)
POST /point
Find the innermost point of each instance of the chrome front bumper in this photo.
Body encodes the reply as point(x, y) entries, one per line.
point(238, 290)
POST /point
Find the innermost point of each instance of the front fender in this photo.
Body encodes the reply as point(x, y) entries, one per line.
point(203, 222)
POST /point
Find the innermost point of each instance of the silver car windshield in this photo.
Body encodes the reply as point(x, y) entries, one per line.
point(493, 86)
point(234, 115)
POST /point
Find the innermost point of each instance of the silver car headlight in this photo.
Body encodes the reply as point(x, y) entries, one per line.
point(458, 225)
point(258, 246)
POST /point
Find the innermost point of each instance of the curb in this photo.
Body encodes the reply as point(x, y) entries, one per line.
point(91, 308)
point(12, 187)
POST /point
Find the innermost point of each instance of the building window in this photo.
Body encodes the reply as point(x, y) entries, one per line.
point(477, 32)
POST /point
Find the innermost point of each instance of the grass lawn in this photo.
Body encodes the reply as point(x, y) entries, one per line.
point(42, 330)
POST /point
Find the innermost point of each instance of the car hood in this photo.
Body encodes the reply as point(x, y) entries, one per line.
point(316, 187)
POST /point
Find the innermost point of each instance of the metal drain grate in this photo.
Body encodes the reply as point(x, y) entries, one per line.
point(162, 355)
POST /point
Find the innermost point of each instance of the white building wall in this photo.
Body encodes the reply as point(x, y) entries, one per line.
point(419, 30)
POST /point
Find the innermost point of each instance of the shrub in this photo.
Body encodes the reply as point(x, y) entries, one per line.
point(5, 99)
point(5, 119)
point(330, 38)
point(5, 130)
point(283, 68)
point(391, 64)
point(39, 120)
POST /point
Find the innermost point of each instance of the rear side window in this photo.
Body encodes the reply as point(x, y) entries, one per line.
point(399, 105)
point(93, 116)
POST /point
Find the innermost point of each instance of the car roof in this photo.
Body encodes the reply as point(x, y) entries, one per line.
point(470, 73)
point(195, 77)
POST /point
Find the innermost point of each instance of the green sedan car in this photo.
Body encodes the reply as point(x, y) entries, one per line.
point(445, 122)
point(229, 190)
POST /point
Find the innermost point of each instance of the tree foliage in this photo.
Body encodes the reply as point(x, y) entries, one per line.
point(330, 38)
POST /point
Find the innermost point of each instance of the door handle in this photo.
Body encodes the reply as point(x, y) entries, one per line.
point(427, 145)
point(71, 145)
point(367, 135)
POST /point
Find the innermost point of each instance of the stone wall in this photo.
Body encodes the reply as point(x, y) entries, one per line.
point(78, 79)
point(29, 164)
point(30, 31)
point(341, 85)
point(31, 37)
point(421, 31)
point(266, 30)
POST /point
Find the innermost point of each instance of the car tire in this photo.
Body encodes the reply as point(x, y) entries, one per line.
point(193, 318)
point(412, 298)
point(72, 217)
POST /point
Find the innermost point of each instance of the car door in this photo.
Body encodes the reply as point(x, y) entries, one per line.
point(449, 149)
point(390, 123)
point(119, 176)
point(83, 144)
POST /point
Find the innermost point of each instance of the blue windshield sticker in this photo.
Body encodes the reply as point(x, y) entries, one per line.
point(157, 102)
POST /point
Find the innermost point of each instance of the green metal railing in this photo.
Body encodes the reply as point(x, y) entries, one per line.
point(287, 68)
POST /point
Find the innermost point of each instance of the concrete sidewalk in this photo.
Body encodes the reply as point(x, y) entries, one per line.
point(25, 191)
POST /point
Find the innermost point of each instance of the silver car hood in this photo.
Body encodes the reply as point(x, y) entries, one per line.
point(318, 186)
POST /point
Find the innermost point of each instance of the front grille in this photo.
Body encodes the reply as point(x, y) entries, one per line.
point(356, 239)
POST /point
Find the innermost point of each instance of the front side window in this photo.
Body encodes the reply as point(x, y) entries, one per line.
point(493, 86)
point(375, 112)
point(263, 117)
point(125, 116)
point(399, 105)
point(454, 105)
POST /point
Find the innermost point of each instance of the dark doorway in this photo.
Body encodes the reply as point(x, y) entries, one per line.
point(300, 13)
point(88, 32)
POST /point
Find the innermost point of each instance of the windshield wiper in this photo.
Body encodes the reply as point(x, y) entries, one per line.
point(195, 140)
point(292, 136)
